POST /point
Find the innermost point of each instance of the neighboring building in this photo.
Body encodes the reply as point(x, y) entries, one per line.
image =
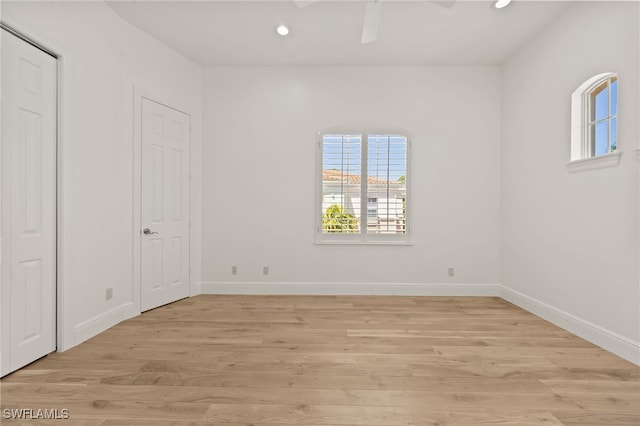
point(385, 210)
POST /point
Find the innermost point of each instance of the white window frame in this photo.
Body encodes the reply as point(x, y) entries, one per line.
point(361, 237)
point(588, 148)
point(582, 156)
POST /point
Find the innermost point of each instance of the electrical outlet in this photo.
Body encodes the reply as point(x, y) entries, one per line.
point(234, 270)
point(265, 270)
point(452, 272)
point(108, 294)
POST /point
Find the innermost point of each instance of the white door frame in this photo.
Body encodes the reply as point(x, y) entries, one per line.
point(138, 95)
point(63, 339)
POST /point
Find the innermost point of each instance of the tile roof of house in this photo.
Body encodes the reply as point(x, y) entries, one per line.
point(337, 175)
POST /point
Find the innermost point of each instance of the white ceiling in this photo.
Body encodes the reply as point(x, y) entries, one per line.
point(227, 33)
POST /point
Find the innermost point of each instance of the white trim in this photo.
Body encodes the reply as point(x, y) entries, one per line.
point(196, 289)
point(594, 163)
point(362, 243)
point(351, 288)
point(606, 339)
point(136, 176)
point(64, 314)
point(96, 325)
point(579, 150)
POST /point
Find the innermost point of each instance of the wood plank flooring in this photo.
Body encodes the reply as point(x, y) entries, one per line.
point(323, 360)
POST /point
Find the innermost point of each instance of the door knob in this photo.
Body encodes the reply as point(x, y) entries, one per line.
point(147, 231)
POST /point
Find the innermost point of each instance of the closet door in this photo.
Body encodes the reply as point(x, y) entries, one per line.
point(28, 203)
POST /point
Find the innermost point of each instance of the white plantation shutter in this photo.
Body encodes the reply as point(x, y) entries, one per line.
point(341, 184)
point(386, 184)
point(363, 188)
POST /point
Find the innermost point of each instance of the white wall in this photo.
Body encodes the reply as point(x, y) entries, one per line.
point(103, 58)
point(570, 240)
point(259, 154)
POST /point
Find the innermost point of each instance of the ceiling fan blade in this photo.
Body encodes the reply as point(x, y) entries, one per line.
point(447, 4)
point(304, 3)
point(371, 21)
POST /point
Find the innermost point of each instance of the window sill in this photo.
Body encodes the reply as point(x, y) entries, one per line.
point(594, 163)
point(363, 243)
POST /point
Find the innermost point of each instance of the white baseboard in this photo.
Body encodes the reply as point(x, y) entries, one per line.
point(96, 325)
point(606, 339)
point(351, 288)
point(195, 289)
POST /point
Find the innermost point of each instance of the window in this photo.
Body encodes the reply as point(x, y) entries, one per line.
point(363, 197)
point(595, 117)
point(602, 117)
point(372, 207)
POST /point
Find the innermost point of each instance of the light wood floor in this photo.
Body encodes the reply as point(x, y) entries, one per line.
point(290, 360)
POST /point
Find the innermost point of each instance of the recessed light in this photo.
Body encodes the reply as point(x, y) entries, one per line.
point(282, 30)
point(502, 3)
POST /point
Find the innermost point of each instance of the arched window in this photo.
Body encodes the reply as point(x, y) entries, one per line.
point(594, 108)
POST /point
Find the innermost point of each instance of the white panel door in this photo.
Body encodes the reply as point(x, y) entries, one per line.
point(28, 203)
point(166, 135)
